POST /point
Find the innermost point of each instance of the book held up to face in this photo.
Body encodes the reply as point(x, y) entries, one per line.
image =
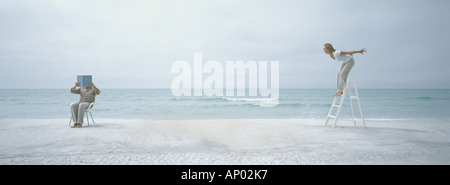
point(84, 80)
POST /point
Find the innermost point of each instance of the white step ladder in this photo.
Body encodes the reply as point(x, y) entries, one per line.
point(355, 96)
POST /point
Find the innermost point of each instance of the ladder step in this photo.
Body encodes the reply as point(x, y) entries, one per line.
point(334, 117)
point(335, 105)
point(354, 97)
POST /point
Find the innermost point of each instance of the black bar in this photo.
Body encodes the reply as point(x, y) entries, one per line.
point(223, 174)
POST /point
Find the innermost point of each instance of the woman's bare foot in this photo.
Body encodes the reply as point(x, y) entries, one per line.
point(339, 94)
point(76, 125)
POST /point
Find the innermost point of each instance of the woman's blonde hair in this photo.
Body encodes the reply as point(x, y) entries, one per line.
point(329, 47)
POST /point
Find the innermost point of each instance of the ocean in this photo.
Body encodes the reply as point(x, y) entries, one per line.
point(161, 104)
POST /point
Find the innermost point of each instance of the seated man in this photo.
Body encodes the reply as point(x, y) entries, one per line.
point(87, 96)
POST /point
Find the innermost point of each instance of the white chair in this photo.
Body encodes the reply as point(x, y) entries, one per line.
point(88, 110)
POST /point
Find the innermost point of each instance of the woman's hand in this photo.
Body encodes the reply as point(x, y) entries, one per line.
point(77, 83)
point(91, 84)
point(362, 51)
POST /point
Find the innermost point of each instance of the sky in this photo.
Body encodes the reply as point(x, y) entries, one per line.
point(133, 44)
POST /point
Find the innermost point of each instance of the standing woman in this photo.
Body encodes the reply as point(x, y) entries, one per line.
point(347, 64)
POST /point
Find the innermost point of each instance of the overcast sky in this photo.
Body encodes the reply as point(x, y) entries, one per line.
point(132, 44)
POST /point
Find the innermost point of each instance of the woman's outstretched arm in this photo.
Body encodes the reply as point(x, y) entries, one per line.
point(353, 52)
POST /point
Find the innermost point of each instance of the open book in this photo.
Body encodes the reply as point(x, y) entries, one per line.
point(84, 80)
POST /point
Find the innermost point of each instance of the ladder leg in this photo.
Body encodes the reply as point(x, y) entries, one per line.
point(326, 122)
point(339, 108)
point(351, 105)
point(360, 112)
point(359, 106)
point(331, 110)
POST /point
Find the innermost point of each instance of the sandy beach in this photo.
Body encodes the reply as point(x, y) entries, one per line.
point(225, 141)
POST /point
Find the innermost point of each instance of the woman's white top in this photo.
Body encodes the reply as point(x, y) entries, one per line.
point(339, 57)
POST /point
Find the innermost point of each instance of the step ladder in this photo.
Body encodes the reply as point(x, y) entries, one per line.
point(353, 96)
